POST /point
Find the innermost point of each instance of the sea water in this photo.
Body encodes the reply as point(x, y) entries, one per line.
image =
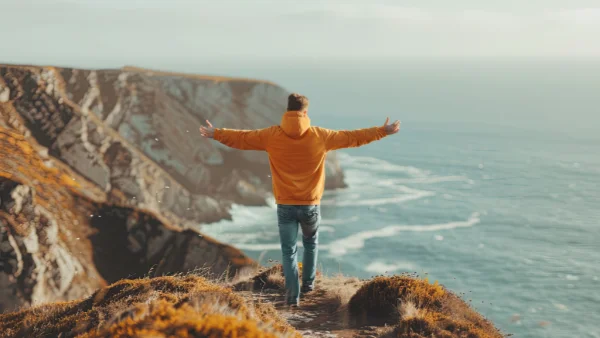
point(507, 215)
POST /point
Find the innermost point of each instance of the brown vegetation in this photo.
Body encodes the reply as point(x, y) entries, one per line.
point(418, 309)
point(182, 306)
point(267, 278)
point(192, 306)
point(339, 289)
point(379, 299)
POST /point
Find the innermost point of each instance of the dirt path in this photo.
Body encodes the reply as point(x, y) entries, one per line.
point(315, 316)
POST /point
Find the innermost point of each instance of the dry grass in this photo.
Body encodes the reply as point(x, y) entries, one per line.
point(162, 319)
point(339, 289)
point(418, 309)
point(186, 306)
point(408, 309)
point(377, 301)
point(267, 278)
point(276, 279)
point(192, 306)
point(438, 325)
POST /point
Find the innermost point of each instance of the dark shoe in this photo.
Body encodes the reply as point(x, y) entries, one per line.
point(307, 289)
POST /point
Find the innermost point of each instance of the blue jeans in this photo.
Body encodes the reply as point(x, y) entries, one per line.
point(289, 217)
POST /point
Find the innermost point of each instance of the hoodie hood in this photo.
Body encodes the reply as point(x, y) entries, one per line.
point(295, 124)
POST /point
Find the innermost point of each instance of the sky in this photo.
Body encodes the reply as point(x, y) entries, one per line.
point(273, 40)
point(109, 33)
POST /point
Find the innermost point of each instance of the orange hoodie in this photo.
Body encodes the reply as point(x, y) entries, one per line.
point(297, 153)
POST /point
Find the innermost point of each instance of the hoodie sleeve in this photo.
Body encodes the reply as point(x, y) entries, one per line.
point(244, 139)
point(335, 139)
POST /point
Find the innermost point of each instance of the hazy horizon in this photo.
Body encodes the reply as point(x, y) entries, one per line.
point(533, 95)
point(337, 46)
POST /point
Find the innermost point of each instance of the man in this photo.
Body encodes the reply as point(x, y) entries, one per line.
point(297, 154)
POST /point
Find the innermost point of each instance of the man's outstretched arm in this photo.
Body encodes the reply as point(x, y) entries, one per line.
point(239, 139)
point(335, 139)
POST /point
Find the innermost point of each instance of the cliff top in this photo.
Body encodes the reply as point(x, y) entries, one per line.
point(194, 76)
point(195, 306)
point(154, 72)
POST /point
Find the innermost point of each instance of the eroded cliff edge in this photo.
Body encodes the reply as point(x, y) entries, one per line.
point(60, 239)
point(134, 133)
point(104, 176)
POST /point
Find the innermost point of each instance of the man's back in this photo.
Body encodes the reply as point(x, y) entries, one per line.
point(297, 153)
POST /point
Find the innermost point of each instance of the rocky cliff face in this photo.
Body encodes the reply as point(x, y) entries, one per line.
point(60, 239)
point(135, 132)
point(104, 175)
point(41, 255)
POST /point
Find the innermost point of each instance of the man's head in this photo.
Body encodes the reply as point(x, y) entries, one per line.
point(297, 102)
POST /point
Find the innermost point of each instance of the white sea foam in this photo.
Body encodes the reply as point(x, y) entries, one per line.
point(239, 238)
point(260, 247)
point(244, 219)
point(242, 215)
point(341, 221)
point(560, 306)
point(375, 164)
point(424, 180)
point(571, 277)
point(383, 267)
point(271, 202)
point(409, 194)
point(335, 192)
point(359, 171)
point(357, 241)
point(330, 201)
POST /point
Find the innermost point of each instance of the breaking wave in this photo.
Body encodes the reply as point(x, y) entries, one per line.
point(357, 241)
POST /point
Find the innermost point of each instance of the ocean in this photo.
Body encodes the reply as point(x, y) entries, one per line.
point(500, 210)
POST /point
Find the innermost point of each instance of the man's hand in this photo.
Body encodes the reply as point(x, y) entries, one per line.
point(208, 132)
point(391, 128)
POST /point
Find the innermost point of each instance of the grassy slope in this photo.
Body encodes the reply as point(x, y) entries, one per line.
point(193, 306)
point(182, 306)
point(391, 306)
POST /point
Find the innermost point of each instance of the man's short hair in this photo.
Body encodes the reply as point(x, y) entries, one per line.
point(297, 102)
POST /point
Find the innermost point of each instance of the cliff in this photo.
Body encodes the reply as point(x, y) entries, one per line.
point(60, 239)
point(194, 306)
point(103, 175)
point(189, 306)
point(134, 134)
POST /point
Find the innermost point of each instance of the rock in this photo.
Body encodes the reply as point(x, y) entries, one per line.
point(40, 260)
point(4, 94)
